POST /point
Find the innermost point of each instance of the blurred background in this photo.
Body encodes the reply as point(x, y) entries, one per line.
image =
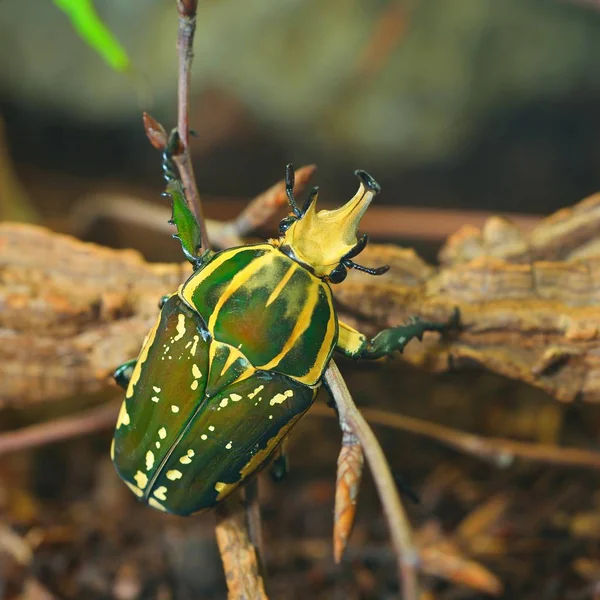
point(487, 105)
point(459, 109)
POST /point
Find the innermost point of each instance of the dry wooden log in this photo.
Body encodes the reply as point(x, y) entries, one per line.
point(567, 234)
point(70, 311)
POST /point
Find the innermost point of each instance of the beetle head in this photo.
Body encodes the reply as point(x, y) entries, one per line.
point(327, 240)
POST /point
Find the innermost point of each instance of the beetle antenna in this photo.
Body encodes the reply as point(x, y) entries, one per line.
point(168, 166)
point(309, 200)
point(360, 246)
point(377, 271)
point(290, 180)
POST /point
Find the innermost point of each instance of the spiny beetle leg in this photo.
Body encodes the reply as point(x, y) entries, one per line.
point(188, 229)
point(123, 373)
point(162, 300)
point(396, 338)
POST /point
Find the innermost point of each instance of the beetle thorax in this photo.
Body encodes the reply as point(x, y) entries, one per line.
point(320, 239)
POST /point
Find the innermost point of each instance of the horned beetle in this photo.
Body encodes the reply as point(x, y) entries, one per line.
point(238, 352)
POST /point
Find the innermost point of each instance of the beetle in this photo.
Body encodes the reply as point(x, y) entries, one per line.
point(238, 352)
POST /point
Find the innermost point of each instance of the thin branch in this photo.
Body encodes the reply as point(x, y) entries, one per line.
point(499, 451)
point(89, 421)
point(253, 519)
point(234, 536)
point(240, 559)
point(396, 517)
point(183, 160)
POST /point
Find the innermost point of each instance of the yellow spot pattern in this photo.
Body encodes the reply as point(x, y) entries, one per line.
point(141, 479)
point(279, 398)
point(174, 475)
point(161, 493)
point(180, 327)
point(162, 433)
point(174, 408)
point(195, 345)
point(258, 389)
point(187, 458)
point(149, 460)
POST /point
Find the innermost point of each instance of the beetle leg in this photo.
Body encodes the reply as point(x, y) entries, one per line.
point(280, 465)
point(354, 344)
point(162, 300)
point(279, 468)
point(123, 374)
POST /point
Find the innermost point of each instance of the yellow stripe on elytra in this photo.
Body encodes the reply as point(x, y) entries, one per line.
point(234, 354)
point(275, 293)
point(302, 324)
point(142, 359)
point(238, 280)
point(186, 291)
point(313, 374)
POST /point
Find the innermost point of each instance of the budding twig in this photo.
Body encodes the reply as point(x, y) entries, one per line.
point(400, 532)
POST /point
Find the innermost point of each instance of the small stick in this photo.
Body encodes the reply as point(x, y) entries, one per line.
point(224, 234)
point(185, 51)
point(500, 451)
point(94, 419)
point(239, 555)
point(266, 204)
point(407, 555)
point(253, 518)
point(497, 450)
point(228, 522)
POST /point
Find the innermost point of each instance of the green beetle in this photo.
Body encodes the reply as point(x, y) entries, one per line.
point(238, 353)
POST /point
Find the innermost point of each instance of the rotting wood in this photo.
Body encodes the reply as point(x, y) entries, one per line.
point(71, 311)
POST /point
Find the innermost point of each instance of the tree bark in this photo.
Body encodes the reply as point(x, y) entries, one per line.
point(70, 312)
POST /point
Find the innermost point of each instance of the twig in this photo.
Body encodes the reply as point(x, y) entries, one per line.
point(265, 205)
point(499, 451)
point(400, 532)
point(232, 533)
point(183, 160)
point(239, 556)
point(253, 518)
point(95, 419)
point(223, 234)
